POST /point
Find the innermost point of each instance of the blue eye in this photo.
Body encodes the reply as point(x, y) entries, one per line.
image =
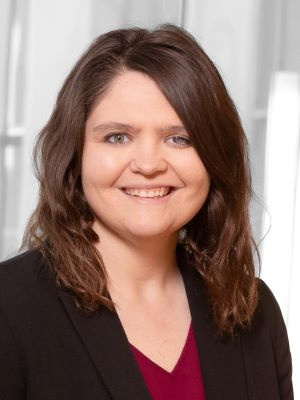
point(183, 141)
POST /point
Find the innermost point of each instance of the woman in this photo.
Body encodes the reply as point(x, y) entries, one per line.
point(138, 279)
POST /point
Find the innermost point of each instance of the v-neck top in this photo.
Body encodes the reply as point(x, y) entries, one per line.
point(183, 382)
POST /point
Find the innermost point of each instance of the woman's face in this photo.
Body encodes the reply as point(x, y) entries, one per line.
point(135, 140)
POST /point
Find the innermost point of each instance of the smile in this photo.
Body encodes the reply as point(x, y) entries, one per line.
point(147, 196)
point(146, 193)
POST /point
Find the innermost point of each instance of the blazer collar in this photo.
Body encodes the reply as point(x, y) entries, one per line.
point(105, 340)
point(221, 360)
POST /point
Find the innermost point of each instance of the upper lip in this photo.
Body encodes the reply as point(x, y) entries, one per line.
point(148, 186)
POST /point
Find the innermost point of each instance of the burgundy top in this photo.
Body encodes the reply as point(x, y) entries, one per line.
point(184, 382)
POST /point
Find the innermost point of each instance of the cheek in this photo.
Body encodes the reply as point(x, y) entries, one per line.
point(200, 192)
point(99, 168)
point(89, 167)
point(200, 183)
point(197, 174)
point(205, 180)
point(201, 186)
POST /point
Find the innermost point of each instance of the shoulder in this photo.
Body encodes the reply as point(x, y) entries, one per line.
point(23, 271)
point(26, 263)
point(268, 316)
point(268, 311)
point(266, 345)
point(266, 296)
point(25, 282)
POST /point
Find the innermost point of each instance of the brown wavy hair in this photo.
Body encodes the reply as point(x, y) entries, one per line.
point(219, 241)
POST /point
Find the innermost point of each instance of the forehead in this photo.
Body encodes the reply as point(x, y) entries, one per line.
point(134, 99)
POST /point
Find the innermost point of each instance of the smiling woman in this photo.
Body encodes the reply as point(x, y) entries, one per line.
point(137, 279)
point(148, 159)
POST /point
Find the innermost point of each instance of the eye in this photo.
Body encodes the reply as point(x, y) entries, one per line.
point(181, 141)
point(119, 138)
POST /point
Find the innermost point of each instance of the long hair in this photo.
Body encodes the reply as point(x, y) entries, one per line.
point(219, 240)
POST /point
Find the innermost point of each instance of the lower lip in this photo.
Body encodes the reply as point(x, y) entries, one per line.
point(150, 200)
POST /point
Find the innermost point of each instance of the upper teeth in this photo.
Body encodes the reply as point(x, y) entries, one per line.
point(148, 192)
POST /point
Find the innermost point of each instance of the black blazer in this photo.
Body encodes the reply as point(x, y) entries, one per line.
point(50, 350)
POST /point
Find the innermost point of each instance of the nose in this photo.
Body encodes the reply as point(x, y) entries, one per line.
point(148, 158)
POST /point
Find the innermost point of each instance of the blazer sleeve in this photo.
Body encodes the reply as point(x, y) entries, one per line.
point(280, 344)
point(11, 375)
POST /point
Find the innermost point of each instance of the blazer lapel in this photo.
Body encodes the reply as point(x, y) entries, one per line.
point(221, 361)
point(106, 342)
point(104, 338)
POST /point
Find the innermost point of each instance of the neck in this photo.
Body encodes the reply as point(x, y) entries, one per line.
point(143, 269)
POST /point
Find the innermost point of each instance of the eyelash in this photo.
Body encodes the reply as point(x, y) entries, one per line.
point(188, 142)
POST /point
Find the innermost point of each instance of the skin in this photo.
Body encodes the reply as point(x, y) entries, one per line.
point(138, 240)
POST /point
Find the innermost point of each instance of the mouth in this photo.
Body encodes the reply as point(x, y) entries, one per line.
point(149, 195)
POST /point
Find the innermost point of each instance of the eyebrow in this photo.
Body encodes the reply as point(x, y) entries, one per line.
point(121, 126)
